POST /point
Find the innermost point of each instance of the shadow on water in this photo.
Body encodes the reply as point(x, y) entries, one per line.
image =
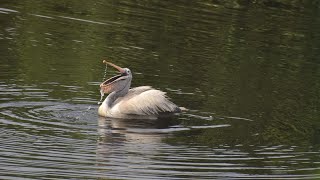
point(248, 72)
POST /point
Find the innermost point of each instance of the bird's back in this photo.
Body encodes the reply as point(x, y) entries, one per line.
point(144, 100)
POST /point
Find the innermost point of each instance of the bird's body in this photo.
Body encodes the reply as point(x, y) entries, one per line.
point(123, 102)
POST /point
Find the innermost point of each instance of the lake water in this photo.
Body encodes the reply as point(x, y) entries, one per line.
point(249, 74)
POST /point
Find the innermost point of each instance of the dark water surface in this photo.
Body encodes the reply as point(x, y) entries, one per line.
point(249, 73)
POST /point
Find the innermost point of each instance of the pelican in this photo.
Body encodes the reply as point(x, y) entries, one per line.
point(123, 102)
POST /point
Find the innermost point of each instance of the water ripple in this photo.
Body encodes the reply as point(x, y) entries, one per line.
point(63, 140)
point(51, 130)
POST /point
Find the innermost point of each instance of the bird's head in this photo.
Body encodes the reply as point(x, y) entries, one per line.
point(118, 83)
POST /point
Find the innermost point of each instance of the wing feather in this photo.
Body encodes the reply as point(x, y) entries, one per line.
point(145, 100)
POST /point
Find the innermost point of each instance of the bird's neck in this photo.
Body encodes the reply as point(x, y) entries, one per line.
point(107, 104)
point(112, 97)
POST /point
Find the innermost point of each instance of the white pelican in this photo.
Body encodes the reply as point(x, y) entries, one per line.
point(138, 102)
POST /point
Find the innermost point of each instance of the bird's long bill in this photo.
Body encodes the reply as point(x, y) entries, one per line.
point(111, 84)
point(115, 66)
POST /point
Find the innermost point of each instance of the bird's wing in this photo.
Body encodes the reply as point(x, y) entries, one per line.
point(145, 100)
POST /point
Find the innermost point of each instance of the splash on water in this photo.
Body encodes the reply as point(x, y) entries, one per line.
point(101, 96)
point(101, 90)
point(105, 73)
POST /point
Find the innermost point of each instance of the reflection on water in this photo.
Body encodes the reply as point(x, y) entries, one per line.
point(128, 150)
point(247, 72)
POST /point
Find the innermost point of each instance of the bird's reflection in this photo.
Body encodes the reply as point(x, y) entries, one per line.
point(120, 140)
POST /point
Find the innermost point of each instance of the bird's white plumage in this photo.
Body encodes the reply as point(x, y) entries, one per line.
point(123, 102)
point(144, 100)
